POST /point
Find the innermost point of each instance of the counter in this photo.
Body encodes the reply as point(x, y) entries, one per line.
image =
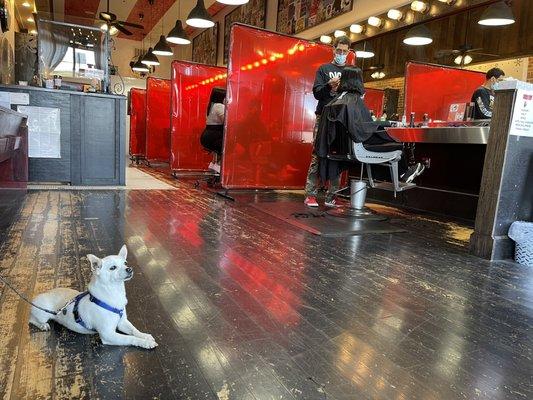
point(92, 137)
point(450, 185)
point(442, 135)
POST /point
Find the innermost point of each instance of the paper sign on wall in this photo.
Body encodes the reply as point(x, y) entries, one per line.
point(5, 99)
point(20, 98)
point(522, 121)
point(44, 131)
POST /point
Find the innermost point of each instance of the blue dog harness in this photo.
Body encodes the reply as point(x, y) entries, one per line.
point(96, 301)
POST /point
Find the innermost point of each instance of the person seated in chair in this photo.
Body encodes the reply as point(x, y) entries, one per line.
point(213, 135)
point(346, 119)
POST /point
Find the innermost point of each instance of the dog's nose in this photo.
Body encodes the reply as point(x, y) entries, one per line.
point(129, 270)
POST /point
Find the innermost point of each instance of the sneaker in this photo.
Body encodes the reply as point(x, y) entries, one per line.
point(214, 167)
point(310, 201)
point(412, 172)
point(331, 203)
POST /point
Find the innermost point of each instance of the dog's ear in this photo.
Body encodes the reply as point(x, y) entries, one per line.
point(123, 253)
point(96, 263)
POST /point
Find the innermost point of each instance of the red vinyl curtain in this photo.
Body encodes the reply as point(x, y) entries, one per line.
point(271, 109)
point(431, 89)
point(137, 122)
point(191, 86)
point(157, 119)
point(374, 99)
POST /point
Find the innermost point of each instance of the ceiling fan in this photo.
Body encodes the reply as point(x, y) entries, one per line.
point(111, 20)
point(463, 55)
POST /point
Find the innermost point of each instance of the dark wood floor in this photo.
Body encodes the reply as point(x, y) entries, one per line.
point(246, 307)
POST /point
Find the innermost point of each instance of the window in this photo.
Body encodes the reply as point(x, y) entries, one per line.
point(75, 59)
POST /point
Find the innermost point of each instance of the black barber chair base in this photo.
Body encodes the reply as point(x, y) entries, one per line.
point(349, 212)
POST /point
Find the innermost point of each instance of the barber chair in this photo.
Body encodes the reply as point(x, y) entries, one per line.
point(388, 154)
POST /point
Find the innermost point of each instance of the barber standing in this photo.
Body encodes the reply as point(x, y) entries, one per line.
point(483, 97)
point(327, 81)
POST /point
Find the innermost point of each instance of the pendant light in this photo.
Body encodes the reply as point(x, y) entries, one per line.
point(162, 48)
point(178, 35)
point(199, 17)
point(420, 35)
point(138, 66)
point(497, 14)
point(364, 50)
point(150, 58)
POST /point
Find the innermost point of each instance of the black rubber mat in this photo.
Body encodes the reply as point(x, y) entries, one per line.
point(318, 222)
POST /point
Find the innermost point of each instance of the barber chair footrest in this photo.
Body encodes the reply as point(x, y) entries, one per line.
point(348, 212)
point(390, 186)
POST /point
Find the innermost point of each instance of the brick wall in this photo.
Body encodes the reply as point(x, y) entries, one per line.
point(530, 70)
point(395, 83)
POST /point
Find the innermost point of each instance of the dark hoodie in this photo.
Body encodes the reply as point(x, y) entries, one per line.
point(344, 120)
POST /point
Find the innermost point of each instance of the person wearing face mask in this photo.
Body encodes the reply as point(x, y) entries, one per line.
point(483, 97)
point(325, 87)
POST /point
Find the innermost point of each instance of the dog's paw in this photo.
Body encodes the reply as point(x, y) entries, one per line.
point(147, 336)
point(44, 327)
point(147, 344)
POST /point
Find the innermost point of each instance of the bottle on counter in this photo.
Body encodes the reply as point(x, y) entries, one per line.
point(57, 81)
point(412, 120)
point(425, 120)
point(404, 120)
point(49, 83)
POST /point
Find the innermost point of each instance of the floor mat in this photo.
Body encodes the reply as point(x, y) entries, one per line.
point(318, 222)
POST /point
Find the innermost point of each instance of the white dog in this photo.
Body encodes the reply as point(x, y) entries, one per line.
point(102, 309)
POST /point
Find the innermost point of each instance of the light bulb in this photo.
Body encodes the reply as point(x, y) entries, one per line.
point(339, 33)
point(356, 28)
point(395, 15)
point(419, 6)
point(374, 21)
point(325, 39)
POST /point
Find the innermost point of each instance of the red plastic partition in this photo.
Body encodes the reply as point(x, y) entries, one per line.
point(157, 119)
point(271, 109)
point(374, 99)
point(431, 89)
point(191, 89)
point(137, 122)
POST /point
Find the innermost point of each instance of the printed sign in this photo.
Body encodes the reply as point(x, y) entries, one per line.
point(44, 131)
point(522, 122)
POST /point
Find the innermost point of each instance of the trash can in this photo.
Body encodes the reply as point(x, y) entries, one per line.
point(522, 233)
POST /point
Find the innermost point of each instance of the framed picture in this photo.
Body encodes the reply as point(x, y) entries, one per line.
point(295, 16)
point(252, 13)
point(205, 46)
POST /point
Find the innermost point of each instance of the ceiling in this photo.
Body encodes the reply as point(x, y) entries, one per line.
point(162, 11)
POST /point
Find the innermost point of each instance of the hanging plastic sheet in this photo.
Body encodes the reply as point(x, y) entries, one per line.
point(157, 120)
point(271, 109)
point(191, 89)
point(374, 99)
point(137, 122)
point(435, 89)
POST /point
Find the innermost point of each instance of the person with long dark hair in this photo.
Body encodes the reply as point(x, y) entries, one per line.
point(213, 135)
point(348, 114)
